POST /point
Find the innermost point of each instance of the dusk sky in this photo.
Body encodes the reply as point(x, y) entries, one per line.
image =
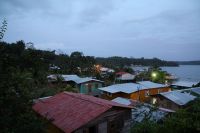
point(166, 29)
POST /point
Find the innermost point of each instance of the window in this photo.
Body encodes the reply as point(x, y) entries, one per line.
point(147, 93)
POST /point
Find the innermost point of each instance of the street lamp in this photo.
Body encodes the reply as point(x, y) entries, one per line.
point(154, 75)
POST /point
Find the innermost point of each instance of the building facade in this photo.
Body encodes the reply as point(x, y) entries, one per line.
point(141, 91)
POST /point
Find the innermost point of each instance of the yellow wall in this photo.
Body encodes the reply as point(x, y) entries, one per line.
point(139, 95)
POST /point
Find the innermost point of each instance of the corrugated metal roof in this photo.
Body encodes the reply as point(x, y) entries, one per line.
point(150, 84)
point(196, 90)
point(121, 73)
point(185, 83)
point(178, 97)
point(121, 100)
point(126, 76)
point(70, 111)
point(137, 104)
point(126, 88)
point(83, 80)
point(70, 77)
point(77, 79)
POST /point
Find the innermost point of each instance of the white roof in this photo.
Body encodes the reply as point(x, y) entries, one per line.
point(104, 69)
point(71, 77)
point(83, 80)
point(180, 98)
point(126, 88)
point(185, 83)
point(75, 78)
point(126, 76)
point(121, 100)
point(150, 84)
point(196, 90)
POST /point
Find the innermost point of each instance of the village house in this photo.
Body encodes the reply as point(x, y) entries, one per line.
point(85, 85)
point(79, 113)
point(136, 91)
point(183, 84)
point(173, 100)
point(195, 90)
point(104, 71)
point(124, 77)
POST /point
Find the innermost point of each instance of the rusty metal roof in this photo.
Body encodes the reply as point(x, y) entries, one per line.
point(70, 111)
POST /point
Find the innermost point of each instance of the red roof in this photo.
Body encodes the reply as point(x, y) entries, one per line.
point(70, 111)
point(121, 73)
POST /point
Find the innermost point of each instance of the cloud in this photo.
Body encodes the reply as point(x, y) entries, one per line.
point(107, 27)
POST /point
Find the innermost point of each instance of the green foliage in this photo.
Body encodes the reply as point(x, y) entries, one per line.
point(120, 62)
point(3, 29)
point(17, 84)
point(146, 126)
point(23, 72)
point(183, 121)
point(159, 76)
point(155, 75)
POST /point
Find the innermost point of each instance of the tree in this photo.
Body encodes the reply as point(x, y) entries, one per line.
point(183, 121)
point(3, 29)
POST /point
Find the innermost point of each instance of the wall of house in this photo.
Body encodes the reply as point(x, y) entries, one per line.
point(165, 89)
point(116, 120)
point(111, 96)
point(144, 95)
point(53, 129)
point(90, 88)
point(166, 103)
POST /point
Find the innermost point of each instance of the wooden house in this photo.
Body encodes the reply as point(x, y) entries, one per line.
point(79, 113)
point(124, 77)
point(172, 100)
point(140, 91)
point(85, 85)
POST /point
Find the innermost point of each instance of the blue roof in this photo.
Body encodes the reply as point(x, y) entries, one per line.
point(178, 97)
point(78, 80)
point(196, 90)
point(126, 88)
point(150, 84)
point(121, 100)
point(185, 83)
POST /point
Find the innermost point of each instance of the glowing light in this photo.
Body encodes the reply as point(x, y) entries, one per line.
point(154, 74)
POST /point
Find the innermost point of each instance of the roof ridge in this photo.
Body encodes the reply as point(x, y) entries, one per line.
point(99, 102)
point(68, 93)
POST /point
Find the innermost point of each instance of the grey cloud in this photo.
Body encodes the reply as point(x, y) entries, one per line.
point(107, 27)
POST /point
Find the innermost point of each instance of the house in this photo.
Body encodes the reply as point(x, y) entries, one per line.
point(136, 91)
point(142, 110)
point(79, 113)
point(172, 100)
point(196, 91)
point(183, 84)
point(193, 91)
point(154, 88)
point(85, 85)
point(106, 70)
point(124, 77)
